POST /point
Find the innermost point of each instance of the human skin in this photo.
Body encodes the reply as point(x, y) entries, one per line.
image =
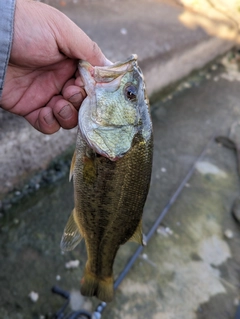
point(42, 83)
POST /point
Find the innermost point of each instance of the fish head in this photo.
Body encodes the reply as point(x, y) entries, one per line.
point(114, 109)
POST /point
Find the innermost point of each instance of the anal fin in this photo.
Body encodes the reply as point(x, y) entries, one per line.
point(71, 235)
point(138, 236)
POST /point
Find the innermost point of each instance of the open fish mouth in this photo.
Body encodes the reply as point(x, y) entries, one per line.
point(107, 74)
point(107, 77)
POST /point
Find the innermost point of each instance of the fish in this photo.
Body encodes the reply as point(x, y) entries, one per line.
point(111, 169)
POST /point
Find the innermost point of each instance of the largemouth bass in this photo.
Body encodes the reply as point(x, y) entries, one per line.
point(111, 169)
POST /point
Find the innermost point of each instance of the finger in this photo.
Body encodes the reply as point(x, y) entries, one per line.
point(73, 93)
point(79, 81)
point(43, 120)
point(64, 112)
point(69, 82)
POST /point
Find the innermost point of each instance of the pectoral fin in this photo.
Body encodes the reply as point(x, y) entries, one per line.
point(71, 236)
point(138, 237)
point(72, 166)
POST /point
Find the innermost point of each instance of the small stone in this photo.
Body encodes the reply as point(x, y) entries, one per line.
point(123, 31)
point(163, 169)
point(46, 138)
point(58, 277)
point(187, 85)
point(236, 301)
point(72, 264)
point(8, 184)
point(144, 256)
point(17, 193)
point(16, 221)
point(214, 67)
point(228, 234)
point(168, 231)
point(164, 231)
point(216, 78)
point(33, 296)
point(187, 185)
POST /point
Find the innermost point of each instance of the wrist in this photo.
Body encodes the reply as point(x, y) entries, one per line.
point(7, 9)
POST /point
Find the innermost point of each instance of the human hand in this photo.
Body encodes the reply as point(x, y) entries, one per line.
point(41, 82)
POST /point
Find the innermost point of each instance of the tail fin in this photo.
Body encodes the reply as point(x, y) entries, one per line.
point(102, 288)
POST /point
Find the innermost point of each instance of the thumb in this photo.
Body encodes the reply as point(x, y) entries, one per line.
point(74, 43)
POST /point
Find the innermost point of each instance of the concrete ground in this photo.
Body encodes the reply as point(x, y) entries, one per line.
point(167, 50)
point(190, 268)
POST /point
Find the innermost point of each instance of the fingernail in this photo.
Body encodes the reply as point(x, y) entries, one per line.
point(66, 112)
point(75, 98)
point(49, 118)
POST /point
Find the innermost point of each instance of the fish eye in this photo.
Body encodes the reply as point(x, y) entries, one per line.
point(131, 92)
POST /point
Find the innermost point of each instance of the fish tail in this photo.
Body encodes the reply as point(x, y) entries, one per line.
point(102, 288)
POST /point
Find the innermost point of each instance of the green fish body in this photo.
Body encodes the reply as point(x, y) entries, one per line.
point(111, 170)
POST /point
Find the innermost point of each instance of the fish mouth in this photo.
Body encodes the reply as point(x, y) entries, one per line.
point(106, 74)
point(107, 77)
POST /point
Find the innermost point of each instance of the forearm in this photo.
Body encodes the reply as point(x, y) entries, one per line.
point(7, 8)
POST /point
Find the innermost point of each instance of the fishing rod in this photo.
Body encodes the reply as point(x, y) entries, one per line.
point(102, 305)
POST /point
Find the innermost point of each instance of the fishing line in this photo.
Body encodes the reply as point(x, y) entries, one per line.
point(98, 312)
